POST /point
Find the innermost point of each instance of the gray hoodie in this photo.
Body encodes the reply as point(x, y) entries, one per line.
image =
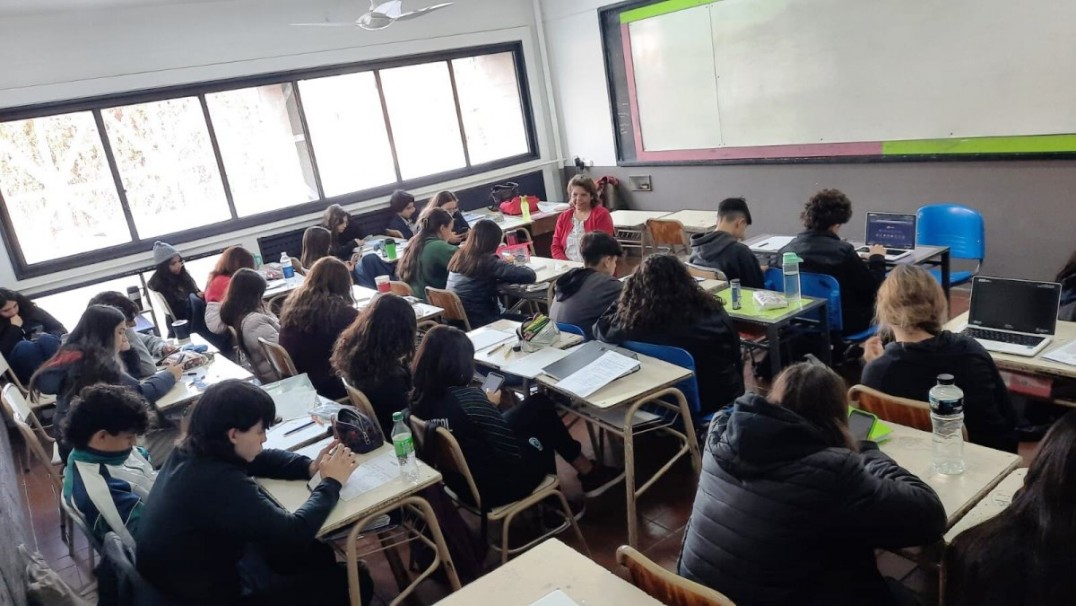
point(582, 296)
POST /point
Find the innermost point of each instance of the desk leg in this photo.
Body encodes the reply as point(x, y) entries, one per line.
point(399, 571)
point(629, 474)
point(827, 352)
point(946, 274)
point(773, 335)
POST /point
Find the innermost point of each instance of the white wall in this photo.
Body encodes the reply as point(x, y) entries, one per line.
point(59, 56)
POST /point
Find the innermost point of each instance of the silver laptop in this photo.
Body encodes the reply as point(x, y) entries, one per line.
point(896, 232)
point(1013, 316)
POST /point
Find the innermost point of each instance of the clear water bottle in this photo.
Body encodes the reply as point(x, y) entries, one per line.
point(405, 448)
point(947, 416)
point(790, 267)
point(285, 266)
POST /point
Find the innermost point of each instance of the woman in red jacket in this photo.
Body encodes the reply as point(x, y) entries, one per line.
point(585, 215)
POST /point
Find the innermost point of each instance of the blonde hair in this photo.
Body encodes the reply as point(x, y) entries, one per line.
point(911, 298)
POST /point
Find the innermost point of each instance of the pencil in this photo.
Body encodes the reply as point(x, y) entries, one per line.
point(299, 428)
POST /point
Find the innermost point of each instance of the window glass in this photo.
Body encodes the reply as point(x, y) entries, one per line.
point(490, 105)
point(347, 128)
point(423, 116)
point(58, 188)
point(264, 150)
point(67, 306)
point(167, 165)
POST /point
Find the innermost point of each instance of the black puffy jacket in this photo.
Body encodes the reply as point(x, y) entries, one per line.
point(782, 518)
point(478, 291)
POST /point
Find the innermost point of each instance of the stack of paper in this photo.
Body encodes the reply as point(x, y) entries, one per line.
point(369, 475)
point(599, 373)
point(488, 337)
point(1065, 355)
point(531, 365)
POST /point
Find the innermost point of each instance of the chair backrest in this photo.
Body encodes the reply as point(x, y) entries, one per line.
point(708, 273)
point(237, 345)
point(571, 329)
point(18, 410)
point(450, 302)
point(133, 589)
point(663, 585)
point(276, 303)
point(902, 411)
point(522, 236)
point(360, 401)
point(158, 301)
point(680, 357)
point(446, 455)
point(279, 359)
point(773, 279)
point(9, 374)
point(822, 286)
point(959, 227)
point(665, 232)
point(402, 289)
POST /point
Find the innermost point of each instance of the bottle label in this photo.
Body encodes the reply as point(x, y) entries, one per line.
point(404, 446)
point(947, 407)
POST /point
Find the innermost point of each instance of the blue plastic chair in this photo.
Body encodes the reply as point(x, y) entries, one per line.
point(822, 286)
point(773, 279)
point(960, 228)
point(572, 329)
point(689, 386)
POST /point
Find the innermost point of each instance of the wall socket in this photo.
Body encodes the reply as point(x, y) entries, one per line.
point(640, 183)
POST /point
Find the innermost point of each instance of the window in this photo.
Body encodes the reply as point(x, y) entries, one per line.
point(90, 180)
point(423, 116)
point(347, 128)
point(166, 162)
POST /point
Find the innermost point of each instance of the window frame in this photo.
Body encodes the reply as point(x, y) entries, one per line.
point(96, 104)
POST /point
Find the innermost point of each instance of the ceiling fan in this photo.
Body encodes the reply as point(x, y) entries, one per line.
point(381, 15)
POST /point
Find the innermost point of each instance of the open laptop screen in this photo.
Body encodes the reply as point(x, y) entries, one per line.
point(891, 230)
point(1016, 305)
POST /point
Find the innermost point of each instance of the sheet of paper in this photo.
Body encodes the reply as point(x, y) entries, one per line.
point(557, 598)
point(531, 365)
point(487, 337)
point(773, 243)
point(369, 475)
point(303, 430)
point(293, 400)
point(599, 373)
point(1065, 355)
point(536, 265)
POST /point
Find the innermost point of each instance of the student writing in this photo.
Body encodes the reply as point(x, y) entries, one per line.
point(723, 249)
point(583, 294)
point(425, 262)
point(146, 350)
point(475, 271)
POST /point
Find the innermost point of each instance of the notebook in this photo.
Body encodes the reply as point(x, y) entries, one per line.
point(1009, 316)
point(581, 356)
point(896, 232)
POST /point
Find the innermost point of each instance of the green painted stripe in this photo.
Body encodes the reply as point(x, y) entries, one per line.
point(982, 145)
point(661, 8)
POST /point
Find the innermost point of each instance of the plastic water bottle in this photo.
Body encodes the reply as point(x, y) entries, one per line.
point(405, 448)
point(947, 416)
point(525, 208)
point(790, 267)
point(285, 267)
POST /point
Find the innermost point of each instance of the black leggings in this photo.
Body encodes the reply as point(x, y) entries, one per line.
point(284, 575)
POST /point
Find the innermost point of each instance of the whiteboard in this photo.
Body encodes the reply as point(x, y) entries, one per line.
point(795, 72)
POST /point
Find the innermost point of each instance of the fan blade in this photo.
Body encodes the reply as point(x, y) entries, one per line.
point(422, 11)
point(391, 9)
point(323, 24)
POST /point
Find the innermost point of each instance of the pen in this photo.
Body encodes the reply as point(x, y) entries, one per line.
point(496, 349)
point(299, 428)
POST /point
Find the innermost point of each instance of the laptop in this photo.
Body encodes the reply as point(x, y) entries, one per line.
point(896, 232)
point(1016, 317)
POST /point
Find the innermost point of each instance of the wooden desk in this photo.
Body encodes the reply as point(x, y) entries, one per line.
point(991, 505)
point(1038, 365)
point(986, 467)
point(423, 311)
point(695, 221)
point(547, 271)
point(185, 392)
point(283, 287)
point(630, 227)
point(550, 566)
point(774, 321)
point(498, 359)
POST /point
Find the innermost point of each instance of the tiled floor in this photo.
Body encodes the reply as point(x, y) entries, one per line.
point(663, 514)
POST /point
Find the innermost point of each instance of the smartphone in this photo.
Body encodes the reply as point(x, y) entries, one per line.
point(860, 424)
point(493, 382)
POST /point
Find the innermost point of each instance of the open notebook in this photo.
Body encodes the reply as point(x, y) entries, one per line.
point(592, 366)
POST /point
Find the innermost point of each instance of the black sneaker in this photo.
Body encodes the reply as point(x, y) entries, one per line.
point(600, 479)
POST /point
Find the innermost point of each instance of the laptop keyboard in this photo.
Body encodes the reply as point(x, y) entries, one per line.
point(1003, 337)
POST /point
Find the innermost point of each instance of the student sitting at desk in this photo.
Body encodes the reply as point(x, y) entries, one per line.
point(475, 271)
point(790, 509)
point(912, 308)
point(147, 349)
point(401, 225)
point(723, 249)
point(244, 310)
point(29, 335)
point(823, 252)
point(313, 316)
point(583, 294)
point(663, 304)
point(425, 262)
point(91, 355)
point(231, 260)
point(317, 242)
point(1023, 555)
point(448, 202)
point(209, 535)
point(374, 355)
point(172, 281)
point(585, 215)
point(1067, 278)
point(345, 232)
point(508, 453)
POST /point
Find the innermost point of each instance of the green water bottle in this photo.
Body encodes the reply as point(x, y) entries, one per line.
point(390, 249)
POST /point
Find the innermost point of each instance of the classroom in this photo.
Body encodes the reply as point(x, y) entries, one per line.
point(537, 302)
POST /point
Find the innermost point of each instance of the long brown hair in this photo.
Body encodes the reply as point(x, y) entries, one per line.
point(333, 218)
point(232, 260)
point(445, 359)
point(662, 292)
point(316, 243)
point(325, 293)
point(244, 296)
point(379, 341)
point(429, 226)
point(819, 395)
point(480, 245)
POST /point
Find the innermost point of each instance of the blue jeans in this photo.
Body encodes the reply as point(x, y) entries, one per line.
point(27, 356)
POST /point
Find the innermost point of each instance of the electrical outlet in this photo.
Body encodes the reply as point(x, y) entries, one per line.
point(640, 183)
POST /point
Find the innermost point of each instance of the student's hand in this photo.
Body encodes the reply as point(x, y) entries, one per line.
point(168, 350)
point(494, 397)
point(350, 265)
point(339, 465)
point(16, 320)
point(315, 465)
point(876, 249)
point(359, 242)
point(455, 239)
point(175, 369)
point(873, 349)
point(201, 294)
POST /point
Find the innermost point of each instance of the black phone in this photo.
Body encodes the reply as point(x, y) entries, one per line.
point(860, 424)
point(493, 382)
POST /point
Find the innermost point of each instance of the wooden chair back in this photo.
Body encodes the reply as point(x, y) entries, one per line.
point(522, 237)
point(402, 289)
point(706, 273)
point(276, 304)
point(447, 455)
point(902, 411)
point(237, 347)
point(663, 585)
point(450, 302)
point(667, 233)
point(359, 400)
point(278, 358)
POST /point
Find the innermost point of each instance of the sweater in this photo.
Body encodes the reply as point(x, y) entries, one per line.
point(217, 289)
point(781, 517)
point(909, 370)
point(124, 478)
point(203, 512)
point(254, 326)
point(432, 267)
point(478, 291)
point(146, 350)
point(581, 296)
point(722, 251)
point(34, 321)
point(311, 349)
point(599, 220)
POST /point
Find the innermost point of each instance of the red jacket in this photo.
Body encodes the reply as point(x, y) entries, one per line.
point(599, 220)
